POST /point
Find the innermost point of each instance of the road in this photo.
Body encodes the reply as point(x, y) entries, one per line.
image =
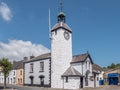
point(17, 87)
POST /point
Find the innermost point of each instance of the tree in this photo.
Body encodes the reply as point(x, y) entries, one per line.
point(112, 66)
point(6, 66)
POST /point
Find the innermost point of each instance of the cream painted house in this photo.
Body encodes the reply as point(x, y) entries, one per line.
point(20, 76)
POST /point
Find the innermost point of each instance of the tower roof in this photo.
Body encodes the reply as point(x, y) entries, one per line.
point(61, 21)
point(61, 13)
point(61, 25)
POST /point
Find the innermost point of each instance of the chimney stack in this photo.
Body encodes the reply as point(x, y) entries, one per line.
point(25, 58)
point(32, 57)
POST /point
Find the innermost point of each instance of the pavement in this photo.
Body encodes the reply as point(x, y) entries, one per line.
point(18, 87)
point(104, 87)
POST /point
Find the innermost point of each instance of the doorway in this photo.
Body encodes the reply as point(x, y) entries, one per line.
point(81, 82)
point(31, 80)
point(41, 80)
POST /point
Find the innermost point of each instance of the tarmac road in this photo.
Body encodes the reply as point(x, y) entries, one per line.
point(17, 87)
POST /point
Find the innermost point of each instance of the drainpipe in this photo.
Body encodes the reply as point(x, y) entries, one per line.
point(63, 82)
point(82, 77)
point(82, 68)
point(94, 80)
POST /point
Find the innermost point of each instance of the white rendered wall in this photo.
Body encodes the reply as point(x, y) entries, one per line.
point(1, 77)
point(97, 80)
point(82, 67)
point(101, 75)
point(78, 67)
point(36, 72)
point(61, 56)
point(12, 77)
point(73, 83)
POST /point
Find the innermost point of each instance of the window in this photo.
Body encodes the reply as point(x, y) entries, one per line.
point(55, 32)
point(31, 68)
point(86, 65)
point(20, 72)
point(14, 80)
point(8, 80)
point(41, 66)
point(89, 65)
point(14, 73)
point(97, 78)
point(11, 80)
point(66, 79)
point(20, 80)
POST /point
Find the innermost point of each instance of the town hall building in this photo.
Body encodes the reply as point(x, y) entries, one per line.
point(59, 68)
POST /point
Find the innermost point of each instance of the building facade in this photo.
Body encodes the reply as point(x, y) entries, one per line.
point(37, 71)
point(112, 76)
point(81, 73)
point(15, 75)
point(59, 69)
point(61, 50)
point(20, 76)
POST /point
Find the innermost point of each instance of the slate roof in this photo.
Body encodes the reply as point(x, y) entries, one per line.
point(96, 68)
point(75, 59)
point(71, 72)
point(61, 25)
point(18, 65)
point(80, 58)
point(41, 57)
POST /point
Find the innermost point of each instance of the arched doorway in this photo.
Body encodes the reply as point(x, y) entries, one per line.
point(31, 79)
point(86, 77)
point(41, 80)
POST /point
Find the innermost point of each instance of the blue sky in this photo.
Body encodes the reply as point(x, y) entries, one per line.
point(95, 25)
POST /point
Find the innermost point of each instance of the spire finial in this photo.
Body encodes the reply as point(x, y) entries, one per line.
point(61, 15)
point(61, 5)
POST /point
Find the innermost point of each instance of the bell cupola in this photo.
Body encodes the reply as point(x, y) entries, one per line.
point(61, 17)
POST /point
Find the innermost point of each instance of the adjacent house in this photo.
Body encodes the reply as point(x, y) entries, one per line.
point(100, 70)
point(19, 72)
point(11, 79)
point(112, 76)
point(37, 71)
point(1, 76)
point(15, 75)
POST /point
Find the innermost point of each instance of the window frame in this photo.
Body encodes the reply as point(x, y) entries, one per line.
point(86, 64)
point(41, 66)
point(66, 79)
point(31, 67)
point(20, 72)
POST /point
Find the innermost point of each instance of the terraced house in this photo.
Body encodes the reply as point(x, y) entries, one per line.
point(59, 68)
point(15, 75)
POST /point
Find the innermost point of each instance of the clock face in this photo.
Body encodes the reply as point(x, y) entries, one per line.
point(66, 35)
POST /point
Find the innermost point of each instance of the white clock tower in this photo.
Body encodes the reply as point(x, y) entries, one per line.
point(61, 50)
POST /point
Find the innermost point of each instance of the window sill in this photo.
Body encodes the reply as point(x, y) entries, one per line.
point(41, 71)
point(31, 72)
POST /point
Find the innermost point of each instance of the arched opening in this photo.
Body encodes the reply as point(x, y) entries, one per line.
point(86, 77)
point(31, 79)
point(41, 80)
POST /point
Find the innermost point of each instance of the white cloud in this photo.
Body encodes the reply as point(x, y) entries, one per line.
point(5, 11)
point(17, 49)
